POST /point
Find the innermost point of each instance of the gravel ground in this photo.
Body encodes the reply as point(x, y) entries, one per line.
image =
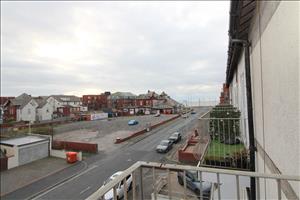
point(104, 132)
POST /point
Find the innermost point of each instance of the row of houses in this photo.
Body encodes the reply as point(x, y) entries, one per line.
point(127, 103)
point(43, 108)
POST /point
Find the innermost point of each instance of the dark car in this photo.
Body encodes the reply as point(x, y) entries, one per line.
point(175, 137)
point(194, 184)
point(164, 146)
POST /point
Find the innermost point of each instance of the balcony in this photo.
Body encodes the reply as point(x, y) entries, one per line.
point(155, 181)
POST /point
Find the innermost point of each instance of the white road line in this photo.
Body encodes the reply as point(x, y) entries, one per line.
point(59, 185)
point(86, 189)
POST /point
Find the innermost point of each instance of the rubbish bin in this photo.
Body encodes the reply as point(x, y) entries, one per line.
point(71, 157)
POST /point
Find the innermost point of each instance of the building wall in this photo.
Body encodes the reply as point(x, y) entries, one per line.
point(239, 98)
point(95, 102)
point(54, 103)
point(28, 112)
point(12, 154)
point(45, 113)
point(32, 152)
point(275, 86)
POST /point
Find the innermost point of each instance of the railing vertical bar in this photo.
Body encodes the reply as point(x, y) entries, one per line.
point(141, 184)
point(257, 187)
point(184, 184)
point(242, 160)
point(115, 192)
point(154, 185)
point(229, 132)
point(169, 184)
point(125, 189)
point(219, 136)
point(238, 187)
point(279, 189)
point(133, 185)
point(219, 186)
point(200, 179)
point(224, 141)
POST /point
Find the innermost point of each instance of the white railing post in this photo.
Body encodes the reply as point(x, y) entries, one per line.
point(115, 192)
point(169, 184)
point(125, 189)
point(154, 183)
point(141, 184)
point(237, 186)
point(134, 185)
point(219, 186)
point(279, 189)
point(184, 184)
point(200, 177)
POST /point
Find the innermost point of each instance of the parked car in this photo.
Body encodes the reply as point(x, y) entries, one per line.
point(175, 137)
point(157, 115)
point(132, 122)
point(185, 116)
point(164, 146)
point(120, 187)
point(194, 184)
point(193, 112)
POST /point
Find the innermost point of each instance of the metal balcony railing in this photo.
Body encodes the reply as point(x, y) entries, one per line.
point(228, 143)
point(145, 176)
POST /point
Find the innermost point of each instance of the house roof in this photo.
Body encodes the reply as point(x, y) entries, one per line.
point(66, 98)
point(3, 100)
point(21, 141)
point(41, 101)
point(241, 14)
point(120, 95)
point(148, 95)
point(21, 100)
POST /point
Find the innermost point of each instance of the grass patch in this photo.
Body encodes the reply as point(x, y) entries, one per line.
point(218, 151)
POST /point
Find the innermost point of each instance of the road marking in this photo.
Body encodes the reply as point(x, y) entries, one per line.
point(59, 185)
point(86, 189)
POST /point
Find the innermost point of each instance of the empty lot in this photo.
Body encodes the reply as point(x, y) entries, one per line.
point(104, 132)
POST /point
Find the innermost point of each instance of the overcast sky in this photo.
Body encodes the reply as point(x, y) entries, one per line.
point(88, 48)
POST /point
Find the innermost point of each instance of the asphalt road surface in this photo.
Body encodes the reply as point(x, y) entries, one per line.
point(91, 173)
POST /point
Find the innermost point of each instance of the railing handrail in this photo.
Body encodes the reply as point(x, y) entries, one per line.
point(174, 167)
point(207, 118)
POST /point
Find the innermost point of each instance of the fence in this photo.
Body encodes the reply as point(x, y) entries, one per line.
point(218, 188)
point(228, 146)
point(76, 146)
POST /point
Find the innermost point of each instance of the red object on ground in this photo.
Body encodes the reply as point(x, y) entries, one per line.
point(71, 157)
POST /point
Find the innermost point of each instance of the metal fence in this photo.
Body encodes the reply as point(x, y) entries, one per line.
point(228, 144)
point(221, 189)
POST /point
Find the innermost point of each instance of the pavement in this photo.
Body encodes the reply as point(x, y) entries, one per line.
point(18, 177)
point(81, 180)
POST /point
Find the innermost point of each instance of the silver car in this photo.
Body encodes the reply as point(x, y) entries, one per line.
point(164, 146)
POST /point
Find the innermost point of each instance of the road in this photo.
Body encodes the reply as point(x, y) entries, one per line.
point(98, 168)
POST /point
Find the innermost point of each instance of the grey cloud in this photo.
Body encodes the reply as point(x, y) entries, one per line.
point(132, 47)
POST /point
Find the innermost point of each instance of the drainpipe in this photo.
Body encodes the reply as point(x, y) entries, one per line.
point(252, 147)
